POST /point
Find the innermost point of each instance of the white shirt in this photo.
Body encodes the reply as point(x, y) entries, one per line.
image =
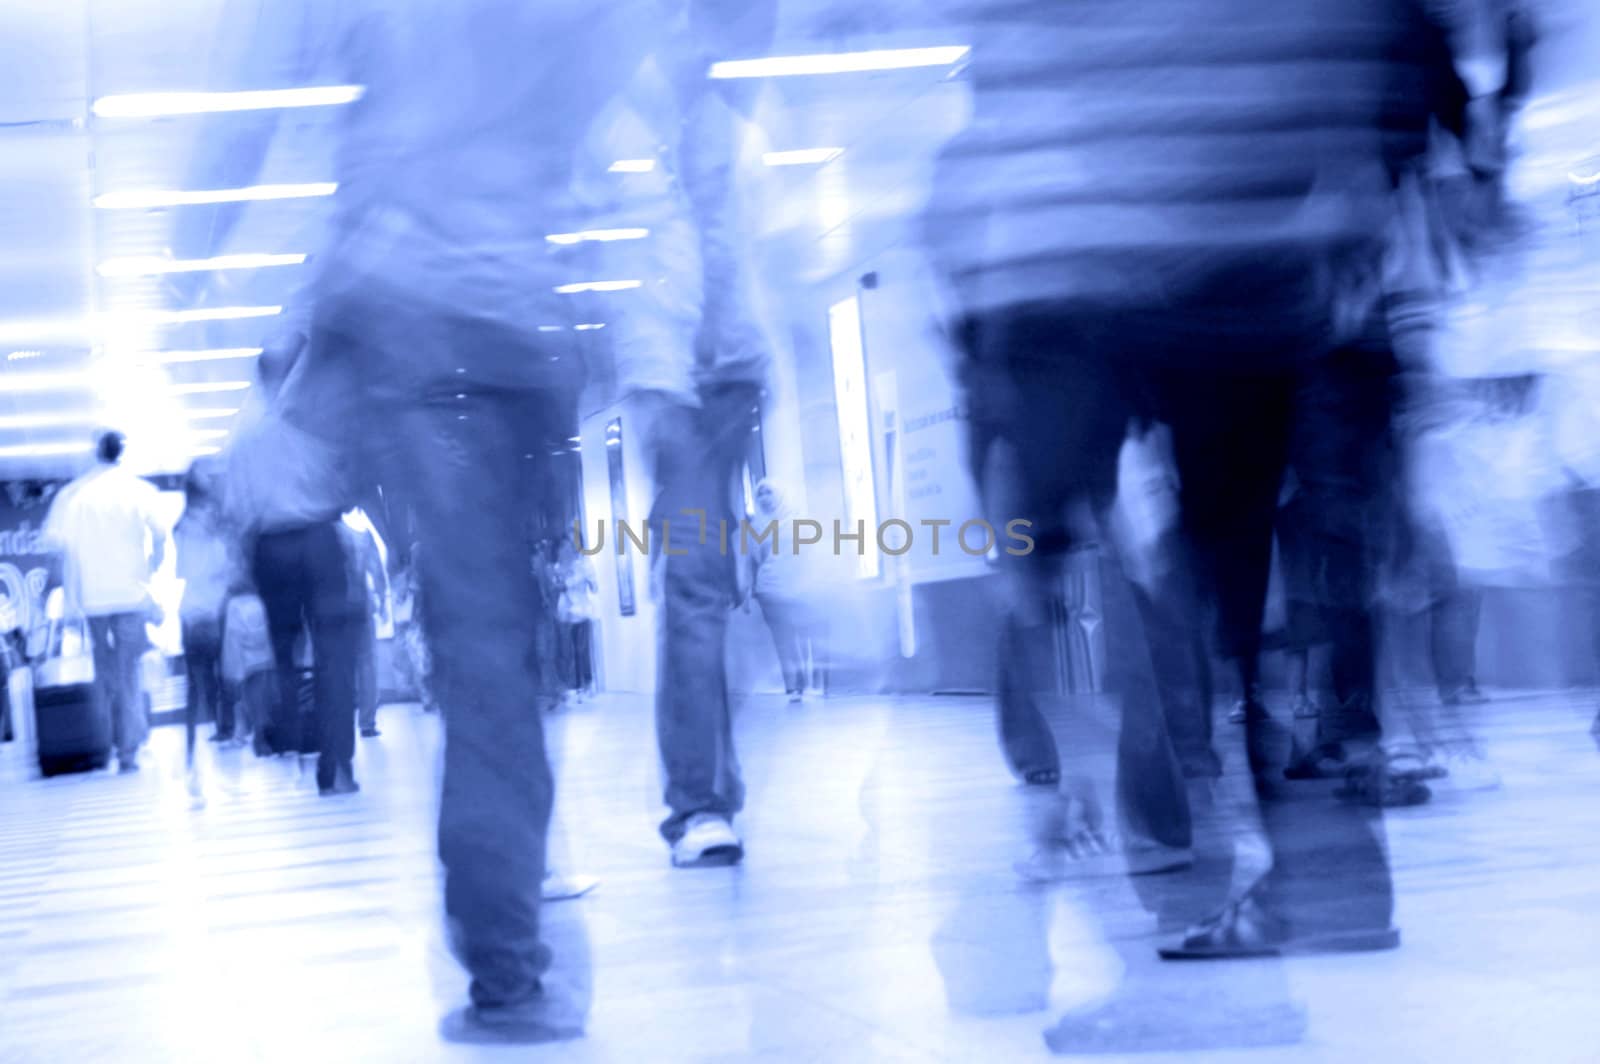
point(107, 522)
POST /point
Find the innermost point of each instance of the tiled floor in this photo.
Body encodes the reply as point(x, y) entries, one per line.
point(877, 917)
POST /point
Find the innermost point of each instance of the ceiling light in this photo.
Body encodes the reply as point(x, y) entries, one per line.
point(633, 166)
point(45, 421)
point(590, 326)
point(802, 157)
point(46, 450)
point(180, 317)
point(208, 387)
point(207, 434)
point(144, 198)
point(18, 356)
point(43, 382)
point(597, 286)
point(216, 354)
point(598, 235)
point(200, 413)
point(148, 265)
point(551, 328)
point(839, 62)
point(202, 452)
point(158, 104)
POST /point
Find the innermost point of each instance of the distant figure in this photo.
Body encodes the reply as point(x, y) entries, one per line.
point(577, 610)
point(206, 561)
point(779, 589)
point(368, 594)
point(109, 526)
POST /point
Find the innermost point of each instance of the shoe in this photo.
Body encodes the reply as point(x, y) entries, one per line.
point(370, 733)
point(220, 736)
point(708, 841)
point(534, 1022)
point(128, 767)
point(565, 888)
point(1089, 857)
point(795, 697)
point(343, 783)
point(1305, 708)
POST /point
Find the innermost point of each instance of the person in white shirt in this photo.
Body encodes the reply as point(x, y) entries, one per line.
point(108, 525)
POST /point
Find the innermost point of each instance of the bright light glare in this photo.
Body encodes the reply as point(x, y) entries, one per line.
point(202, 452)
point(839, 62)
point(209, 387)
point(202, 412)
point(43, 382)
point(802, 157)
point(1581, 179)
point(597, 286)
point(46, 450)
point(157, 104)
point(146, 198)
point(598, 236)
point(632, 166)
point(590, 326)
point(149, 265)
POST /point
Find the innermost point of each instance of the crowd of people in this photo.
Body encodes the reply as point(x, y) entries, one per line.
point(1193, 252)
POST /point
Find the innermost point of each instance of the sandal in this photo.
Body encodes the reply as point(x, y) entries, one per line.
point(1389, 781)
point(1042, 777)
point(1247, 929)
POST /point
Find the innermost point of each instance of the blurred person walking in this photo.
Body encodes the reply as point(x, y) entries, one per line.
point(692, 356)
point(206, 563)
point(286, 490)
point(108, 524)
point(778, 587)
point(427, 362)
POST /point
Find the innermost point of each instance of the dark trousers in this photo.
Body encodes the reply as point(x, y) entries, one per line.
point(470, 460)
point(303, 581)
point(119, 643)
point(1048, 422)
point(202, 660)
point(697, 453)
point(582, 635)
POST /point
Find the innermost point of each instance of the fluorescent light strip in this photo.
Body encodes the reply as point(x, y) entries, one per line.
point(632, 166)
point(203, 412)
point(590, 326)
point(181, 317)
point(216, 354)
point(46, 450)
point(203, 452)
point(208, 387)
point(802, 157)
point(43, 382)
point(146, 198)
point(207, 434)
point(18, 356)
point(597, 236)
point(159, 104)
point(839, 62)
point(45, 421)
point(597, 286)
point(151, 265)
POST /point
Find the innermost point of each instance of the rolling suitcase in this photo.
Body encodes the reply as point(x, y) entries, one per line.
point(72, 730)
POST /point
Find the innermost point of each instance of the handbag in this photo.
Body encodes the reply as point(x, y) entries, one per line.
point(66, 662)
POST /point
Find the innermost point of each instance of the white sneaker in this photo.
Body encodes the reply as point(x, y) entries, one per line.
point(709, 840)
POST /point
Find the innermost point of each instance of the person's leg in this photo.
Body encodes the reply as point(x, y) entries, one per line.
point(461, 465)
point(129, 643)
point(696, 455)
point(583, 655)
point(280, 583)
point(195, 690)
point(780, 623)
point(367, 676)
point(336, 647)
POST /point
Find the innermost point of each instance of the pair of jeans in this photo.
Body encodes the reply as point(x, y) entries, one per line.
point(697, 453)
point(202, 660)
point(303, 581)
point(469, 457)
point(120, 641)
